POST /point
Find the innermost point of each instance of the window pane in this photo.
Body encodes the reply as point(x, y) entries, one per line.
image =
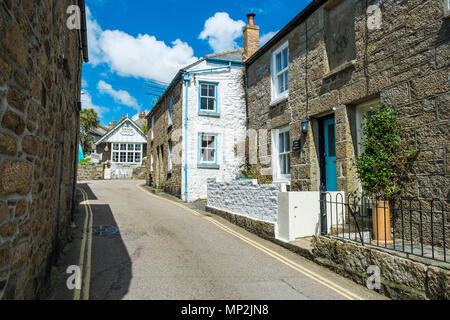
point(286, 81)
point(285, 58)
point(204, 90)
point(131, 147)
point(123, 157)
point(278, 58)
point(130, 156)
point(137, 157)
point(115, 146)
point(211, 104)
point(115, 157)
point(211, 141)
point(281, 83)
point(286, 142)
point(138, 147)
point(282, 164)
point(211, 155)
point(288, 164)
point(281, 143)
point(204, 103)
point(331, 141)
point(204, 140)
point(212, 91)
point(123, 147)
point(203, 157)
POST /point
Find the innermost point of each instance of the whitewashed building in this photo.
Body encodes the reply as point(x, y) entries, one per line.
point(197, 126)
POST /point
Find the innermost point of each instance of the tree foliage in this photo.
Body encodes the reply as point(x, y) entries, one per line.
point(385, 167)
point(88, 121)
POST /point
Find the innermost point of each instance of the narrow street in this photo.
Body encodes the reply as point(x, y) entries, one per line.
point(164, 251)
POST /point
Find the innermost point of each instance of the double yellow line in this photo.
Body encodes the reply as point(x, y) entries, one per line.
point(86, 243)
point(306, 272)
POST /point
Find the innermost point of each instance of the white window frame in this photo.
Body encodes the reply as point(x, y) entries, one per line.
point(277, 176)
point(127, 150)
point(151, 162)
point(200, 148)
point(361, 111)
point(277, 97)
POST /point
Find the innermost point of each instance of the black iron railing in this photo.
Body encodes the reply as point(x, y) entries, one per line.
point(414, 226)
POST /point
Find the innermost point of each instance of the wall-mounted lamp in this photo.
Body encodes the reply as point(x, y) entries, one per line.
point(305, 126)
point(106, 148)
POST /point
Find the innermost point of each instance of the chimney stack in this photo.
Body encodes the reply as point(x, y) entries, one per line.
point(142, 116)
point(123, 118)
point(114, 123)
point(251, 37)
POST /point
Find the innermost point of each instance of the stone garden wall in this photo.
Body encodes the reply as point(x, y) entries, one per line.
point(89, 173)
point(401, 278)
point(40, 80)
point(245, 198)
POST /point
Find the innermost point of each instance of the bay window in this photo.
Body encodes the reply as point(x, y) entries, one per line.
point(126, 153)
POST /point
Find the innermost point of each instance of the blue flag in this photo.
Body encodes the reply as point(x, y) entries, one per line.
point(80, 154)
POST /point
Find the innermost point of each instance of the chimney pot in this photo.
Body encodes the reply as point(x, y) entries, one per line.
point(251, 19)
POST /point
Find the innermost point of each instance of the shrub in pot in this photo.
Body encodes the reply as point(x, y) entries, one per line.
point(385, 165)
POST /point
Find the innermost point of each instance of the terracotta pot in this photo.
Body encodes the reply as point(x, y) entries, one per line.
point(381, 219)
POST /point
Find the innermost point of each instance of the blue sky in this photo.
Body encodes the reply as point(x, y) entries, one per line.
point(133, 41)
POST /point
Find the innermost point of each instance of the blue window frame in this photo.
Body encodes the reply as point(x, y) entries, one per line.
point(171, 111)
point(170, 155)
point(208, 97)
point(207, 149)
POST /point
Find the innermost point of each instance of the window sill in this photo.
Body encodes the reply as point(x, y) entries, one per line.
point(279, 100)
point(339, 69)
point(208, 166)
point(209, 114)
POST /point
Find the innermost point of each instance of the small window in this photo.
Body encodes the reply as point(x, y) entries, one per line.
point(153, 128)
point(280, 73)
point(115, 158)
point(123, 147)
point(137, 157)
point(208, 97)
point(123, 157)
point(281, 154)
point(171, 111)
point(138, 147)
point(170, 155)
point(208, 148)
point(131, 147)
point(115, 146)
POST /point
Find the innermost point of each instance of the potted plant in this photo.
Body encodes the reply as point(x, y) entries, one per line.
point(385, 165)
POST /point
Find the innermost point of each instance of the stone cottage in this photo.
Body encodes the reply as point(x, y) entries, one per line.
point(195, 128)
point(40, 83)
point(312, 83)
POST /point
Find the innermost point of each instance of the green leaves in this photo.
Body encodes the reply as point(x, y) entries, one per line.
point(384, 167)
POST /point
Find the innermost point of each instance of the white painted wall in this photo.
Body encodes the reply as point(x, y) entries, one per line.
point(299, 214)
point(245, 198)
point(230, 127)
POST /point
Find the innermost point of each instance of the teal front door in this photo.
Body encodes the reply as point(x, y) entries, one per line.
point(329, 135)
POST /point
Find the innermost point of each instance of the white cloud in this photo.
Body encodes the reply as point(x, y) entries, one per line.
point(266, 37)
point(86, 103)
point(140, 57)
point(119, 96)
point(221, 32)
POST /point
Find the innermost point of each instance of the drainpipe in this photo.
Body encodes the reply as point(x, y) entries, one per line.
point(187, 79)
point(246, 97)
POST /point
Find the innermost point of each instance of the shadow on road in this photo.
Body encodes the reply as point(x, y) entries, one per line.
point(110, 264)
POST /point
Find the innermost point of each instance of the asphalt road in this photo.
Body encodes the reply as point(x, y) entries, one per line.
point(164, 251)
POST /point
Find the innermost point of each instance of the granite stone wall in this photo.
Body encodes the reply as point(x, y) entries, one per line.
point(40, 81)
